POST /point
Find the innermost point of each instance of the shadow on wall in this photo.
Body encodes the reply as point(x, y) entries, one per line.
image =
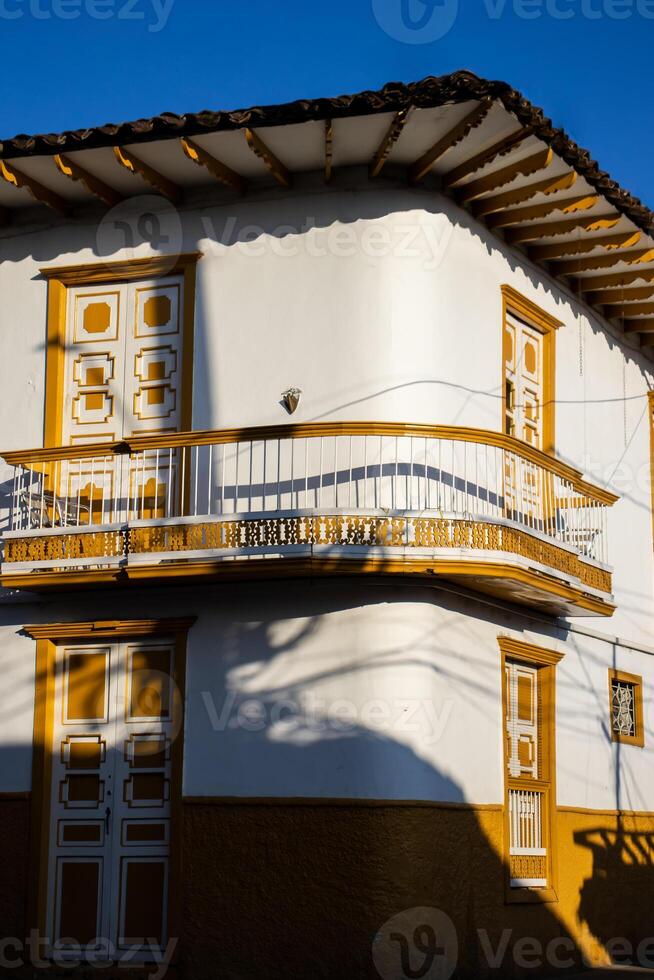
point(311, 887)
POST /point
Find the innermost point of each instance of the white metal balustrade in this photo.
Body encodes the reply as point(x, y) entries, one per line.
point(335, 473)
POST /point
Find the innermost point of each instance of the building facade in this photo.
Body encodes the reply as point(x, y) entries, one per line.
point(327, 544)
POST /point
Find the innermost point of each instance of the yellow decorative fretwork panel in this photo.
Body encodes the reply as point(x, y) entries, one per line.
point(342, 531)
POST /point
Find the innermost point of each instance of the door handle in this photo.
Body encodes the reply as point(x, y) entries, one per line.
point(107, 814)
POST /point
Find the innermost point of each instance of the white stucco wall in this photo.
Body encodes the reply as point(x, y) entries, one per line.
point(354, 691)
point(388, 308)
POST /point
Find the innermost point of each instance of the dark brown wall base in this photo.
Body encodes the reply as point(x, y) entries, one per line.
point(14, 864)
point(298, 890)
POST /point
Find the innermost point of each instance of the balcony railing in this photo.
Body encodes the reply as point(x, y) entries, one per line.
point(324, 490)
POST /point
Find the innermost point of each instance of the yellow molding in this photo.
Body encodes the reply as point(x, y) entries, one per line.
point(344, 801)
point(108, 628)
point(275, 166)
point(244, 569)
point(391, 137)
point(637, 681)
point(525, 307)
point(307, 430)
point(530, 165)
point(123, 270)
point(531, 652)
point(422, 166)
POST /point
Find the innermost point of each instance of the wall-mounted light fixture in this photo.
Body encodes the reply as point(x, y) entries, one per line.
point(291, 399)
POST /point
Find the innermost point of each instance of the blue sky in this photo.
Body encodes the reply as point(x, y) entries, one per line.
point(74, 63)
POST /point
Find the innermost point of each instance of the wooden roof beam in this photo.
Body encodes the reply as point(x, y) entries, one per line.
point(574, 266)
point(623, 310)
point(151, 176)
point(545, 253)
point(487, 205)
point(615, 280)
point(569, 205)
point(275, 166)
point(639, 326)
point(71, 169)
point(479, 160)
point(551, 229)
point(223, 174)
point(419, 170)
point(499, 178)
point(391, 137)
point(605, 297)
point(42, 194)
point(329, 149)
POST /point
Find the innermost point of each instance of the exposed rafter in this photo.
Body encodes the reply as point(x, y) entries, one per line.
point(545, 253)
point(391, 137)
point(479, 160)
point(639, 326)
point(329, 149)
point(421, 167)
point(499, 178)
point(275, 166)
point(550, 185)
point(44, 195)
point(152, 177)
point(615, 279)
point(516, 216)
point(606, 296)
point(628, 309)
point(71, 169)
point(551, 229)
point(574, 266)
point(224, 174)
point(5, 217)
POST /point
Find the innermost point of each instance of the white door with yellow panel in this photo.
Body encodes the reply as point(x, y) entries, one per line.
point(523, 406)
point(115, 717)
point(122, 377)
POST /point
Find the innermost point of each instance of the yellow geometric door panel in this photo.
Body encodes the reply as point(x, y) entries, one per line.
point(110, 800)
point(122, 376)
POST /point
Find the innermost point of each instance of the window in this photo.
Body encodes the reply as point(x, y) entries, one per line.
point(528, 371)
point(626, 707)
point(528, 732)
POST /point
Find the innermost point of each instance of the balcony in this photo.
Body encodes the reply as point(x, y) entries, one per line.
point(468, 505)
